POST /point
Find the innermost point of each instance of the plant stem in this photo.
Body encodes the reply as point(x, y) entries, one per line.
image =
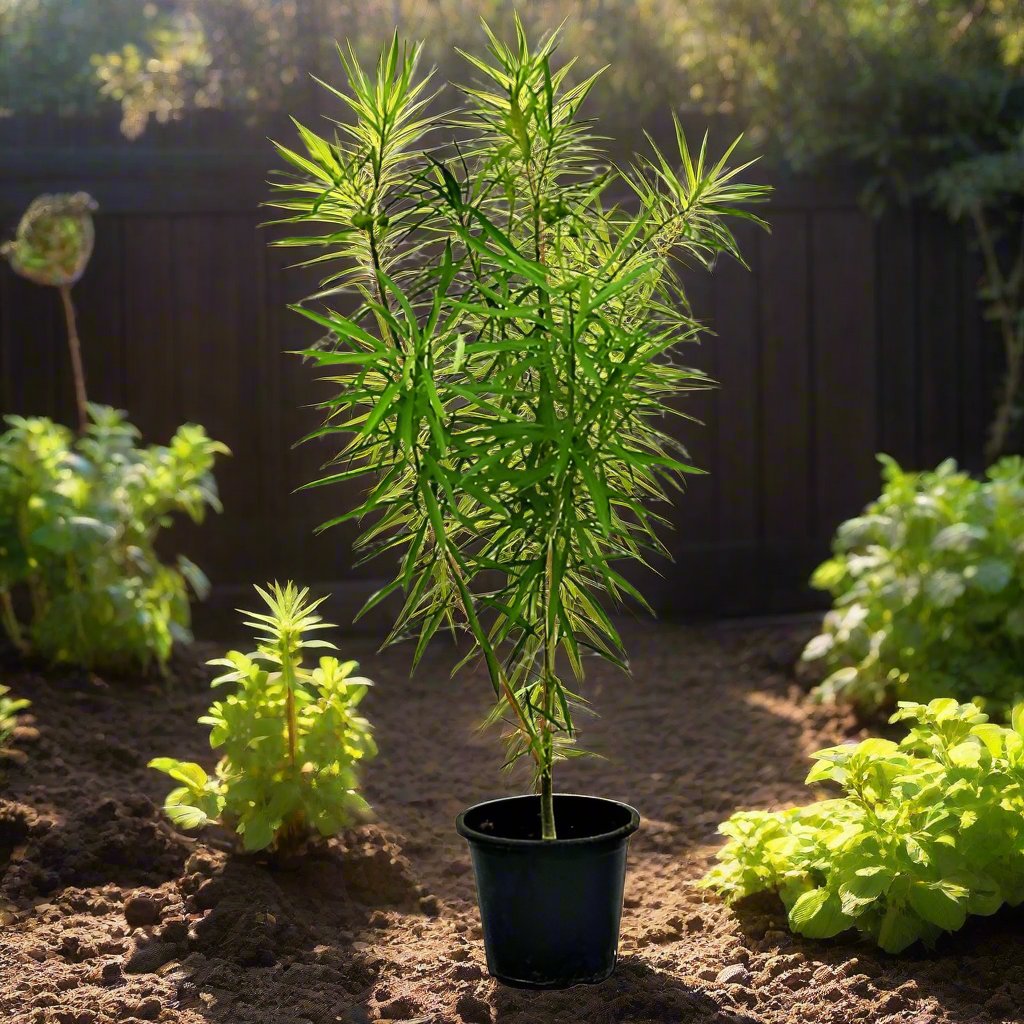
point(75, 586)
point(1000, 430)
point(291, 726)
point(10, 621)
point(547, 805)
point(1003, 308)
point(498, 677)
point(548, 829)
point(547, 799)
point(75, 348)
point(32, 581)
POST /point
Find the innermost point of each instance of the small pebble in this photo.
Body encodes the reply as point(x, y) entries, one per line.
point(148, 958)
point(430, 905)
point(734, 974)
point(140, 911)
point(148, 1008)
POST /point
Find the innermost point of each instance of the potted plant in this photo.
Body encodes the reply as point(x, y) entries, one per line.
point(502, 385)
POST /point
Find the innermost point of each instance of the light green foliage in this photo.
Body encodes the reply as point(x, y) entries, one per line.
point(898, 86)
point(505, 379)
point(928, 590)
point(291, 736)
point(926, 832)
point(161, 77)
point(45, 47)
point(79, 521)
point(9, 708)
point(161, 60)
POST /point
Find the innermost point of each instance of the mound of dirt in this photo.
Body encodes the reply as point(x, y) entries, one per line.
point(108, 914)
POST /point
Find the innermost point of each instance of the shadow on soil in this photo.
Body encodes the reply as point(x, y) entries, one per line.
point(288, 940)
point(635, 992)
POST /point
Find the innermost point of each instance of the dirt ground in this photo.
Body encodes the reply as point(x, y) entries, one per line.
point(109, 914)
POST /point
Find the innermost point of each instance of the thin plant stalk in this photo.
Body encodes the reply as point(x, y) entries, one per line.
point(1005, 307)
point(75, 351)
point(291, 726)
point(11, 624)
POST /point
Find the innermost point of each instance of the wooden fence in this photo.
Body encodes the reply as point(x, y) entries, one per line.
point(846, 337)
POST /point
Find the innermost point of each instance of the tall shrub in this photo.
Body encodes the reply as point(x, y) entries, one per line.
point(504, 384)
point(924, 100)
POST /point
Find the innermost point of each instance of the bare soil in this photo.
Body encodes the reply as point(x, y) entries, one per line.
point(109, 914)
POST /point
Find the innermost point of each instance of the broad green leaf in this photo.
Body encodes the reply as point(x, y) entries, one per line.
point(818, 914)
point(186, 815)
point(863, 888)
point(190, 774)
point(941, 904)
point(898, 930)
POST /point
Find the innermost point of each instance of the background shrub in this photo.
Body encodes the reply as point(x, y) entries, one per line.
point(79, 520)
point(928, 591)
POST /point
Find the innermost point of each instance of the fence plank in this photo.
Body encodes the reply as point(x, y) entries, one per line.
point(101, 317)
point(35, 345)
point(785, 379)
point(787, 420)
point(694, 515)
point(6, 366)
point(844, 380)
point(737, 462)
point(978, 340)
point(213, 373)
point(898, 341)
point(939, 290)
point(151, 324)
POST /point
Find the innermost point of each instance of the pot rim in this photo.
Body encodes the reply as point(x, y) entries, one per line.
point(622, 832)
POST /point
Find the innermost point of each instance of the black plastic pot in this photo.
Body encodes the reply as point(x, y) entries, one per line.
point(550, 909)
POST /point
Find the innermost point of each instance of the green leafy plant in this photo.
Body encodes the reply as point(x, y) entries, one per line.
point(928, 591)
point(927, 832)
point(505, 379)
point(290, 734)
point(9, 709)
point(79, 521)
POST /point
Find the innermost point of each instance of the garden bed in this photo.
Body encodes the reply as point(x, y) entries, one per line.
point(109, 914)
